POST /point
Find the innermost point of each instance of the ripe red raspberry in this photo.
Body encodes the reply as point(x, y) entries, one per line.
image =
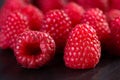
point(98, 21)
point(8, 7)
point(101, 4)
point(112, 14)
point(34, 15)
point(58, 25)
point(114, 47)
point(34, 49)
point(75, 12)
point(47, 5)
point(83, 48)
point(15, 24)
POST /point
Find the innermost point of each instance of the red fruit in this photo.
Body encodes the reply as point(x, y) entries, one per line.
point(34, 15)
point(15, 24)
point(58, 25)
point(47, 5)
point(101, 4)
point(8, 7)
point(115, 36)
point(83, 49)
point(112, 14)
point(114, 4)
point(98, 21)
point(75, 12)
point(34, 49)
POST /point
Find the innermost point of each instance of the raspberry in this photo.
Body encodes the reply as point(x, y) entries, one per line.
point(15, 24)
point(34, 49)
point(34, 15)
point(101, 4)
point(83, 48)
point(47, 5)
point(98, 21)
point(75, 12)
point(112, 14)
point(114, 45)
point(9, 7)
point(58, 25)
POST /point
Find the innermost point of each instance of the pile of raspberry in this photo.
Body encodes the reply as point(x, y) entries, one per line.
point(37, 30)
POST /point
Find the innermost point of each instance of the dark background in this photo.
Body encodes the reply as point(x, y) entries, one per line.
point(107, 69)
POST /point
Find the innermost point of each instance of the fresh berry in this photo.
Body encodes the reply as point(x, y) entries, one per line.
point(114, 4)
point(101, 4)
point(34, 49)
point(34, 15)
point(115, 36)
point(58, 25)
point(98, 21)
point(15, 24)
point(8, 7)
point(47, 5)
point(112, 14)
point(75, 12)
point(83, 49)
